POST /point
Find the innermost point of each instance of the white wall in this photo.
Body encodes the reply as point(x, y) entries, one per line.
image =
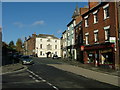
point(44, 46)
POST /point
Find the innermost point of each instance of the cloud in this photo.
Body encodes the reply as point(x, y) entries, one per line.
point(59, 31)
point(18, 24)
point(41, 22)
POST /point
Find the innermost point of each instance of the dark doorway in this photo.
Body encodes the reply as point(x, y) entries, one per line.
point(48, 54)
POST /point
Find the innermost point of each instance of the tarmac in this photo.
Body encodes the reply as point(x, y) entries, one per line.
point(110, 76)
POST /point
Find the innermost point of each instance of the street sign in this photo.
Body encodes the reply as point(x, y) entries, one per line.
point(112, 39)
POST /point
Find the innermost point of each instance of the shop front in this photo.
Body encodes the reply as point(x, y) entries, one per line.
point(100, 55)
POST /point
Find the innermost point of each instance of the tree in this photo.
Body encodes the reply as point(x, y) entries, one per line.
point(11, 45)
point(19, 45)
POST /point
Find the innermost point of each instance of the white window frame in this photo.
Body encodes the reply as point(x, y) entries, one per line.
point(95, 16)
point(104, 8)
point(106, 32)
point(87, 38)
point(96, 36)
point(86, 21)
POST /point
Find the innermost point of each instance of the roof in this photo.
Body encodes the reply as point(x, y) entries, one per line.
point(76, 12)
point(94, 8)
point(46, 35)
point(70, 22)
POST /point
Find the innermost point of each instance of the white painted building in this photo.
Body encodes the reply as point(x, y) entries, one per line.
point(47, 45)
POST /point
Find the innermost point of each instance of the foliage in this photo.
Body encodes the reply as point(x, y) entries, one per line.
point(19, 45)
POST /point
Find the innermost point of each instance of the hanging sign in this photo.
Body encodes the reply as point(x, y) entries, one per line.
point(82, 48)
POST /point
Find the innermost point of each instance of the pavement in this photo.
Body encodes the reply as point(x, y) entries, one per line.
point(11, 68)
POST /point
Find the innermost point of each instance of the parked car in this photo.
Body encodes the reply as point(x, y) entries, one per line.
point(26, 60)
point(55, 56)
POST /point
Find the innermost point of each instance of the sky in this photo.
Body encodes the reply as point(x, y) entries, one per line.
point(22, 19)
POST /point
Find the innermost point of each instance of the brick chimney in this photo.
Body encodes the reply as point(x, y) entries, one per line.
point(34, 35)
point(93, 4)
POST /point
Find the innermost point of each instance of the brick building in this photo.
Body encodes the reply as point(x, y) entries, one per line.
point(100, 34)
point(79, 33)
point(29, 45)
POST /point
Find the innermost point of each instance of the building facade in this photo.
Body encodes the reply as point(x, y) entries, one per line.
point(79, 33)
point(64, 44)
point(29, 45)
point(47, 45)
point(99, 34)
point(71, 40)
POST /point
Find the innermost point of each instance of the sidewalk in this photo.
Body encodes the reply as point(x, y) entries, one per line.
point(100, 74)
point(93, 68)
point(11, 68)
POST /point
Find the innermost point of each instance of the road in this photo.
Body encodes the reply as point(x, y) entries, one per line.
point(41, 75)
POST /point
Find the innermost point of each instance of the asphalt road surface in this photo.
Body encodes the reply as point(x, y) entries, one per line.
point(41, 75)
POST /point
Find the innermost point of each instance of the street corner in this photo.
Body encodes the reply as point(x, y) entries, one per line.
point(12, 68)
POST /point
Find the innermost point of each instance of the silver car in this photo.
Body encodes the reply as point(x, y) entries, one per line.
point(26, 60)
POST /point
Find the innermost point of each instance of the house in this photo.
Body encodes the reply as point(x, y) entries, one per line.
point(70, 40)
point(64, 44)
point(79, 32)
point(47, 45)
point(100, 37)
point(29, 45)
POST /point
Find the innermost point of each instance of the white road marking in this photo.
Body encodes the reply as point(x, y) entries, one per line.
point(41, 79)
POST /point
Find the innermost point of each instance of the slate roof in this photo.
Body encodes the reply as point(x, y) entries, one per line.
point(46, 35)
point(76, 12)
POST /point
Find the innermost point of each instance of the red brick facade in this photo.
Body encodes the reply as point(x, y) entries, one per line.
point(100, 49)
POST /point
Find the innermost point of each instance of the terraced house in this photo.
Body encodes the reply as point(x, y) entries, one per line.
point(100, 34)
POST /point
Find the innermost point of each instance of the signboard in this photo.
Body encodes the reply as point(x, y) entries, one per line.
point(112, 39)
point(82, 48)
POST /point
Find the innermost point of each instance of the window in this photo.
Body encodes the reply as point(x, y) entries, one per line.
point(40, 46)
point(49, 47)
point(55, 40)
point(48, 40)
point(106, 11)
point(40, 52)
point(96, 36)
point(107, 33)
point(86, 21)
point(95, 18)
point(55, 53)
point(41, 40)
point(68, 28)
point(87, 38)
point(55, 46)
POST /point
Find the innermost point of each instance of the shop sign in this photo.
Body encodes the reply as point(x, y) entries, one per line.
point(82, 48)
point(105, 51)
point(112, 39)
